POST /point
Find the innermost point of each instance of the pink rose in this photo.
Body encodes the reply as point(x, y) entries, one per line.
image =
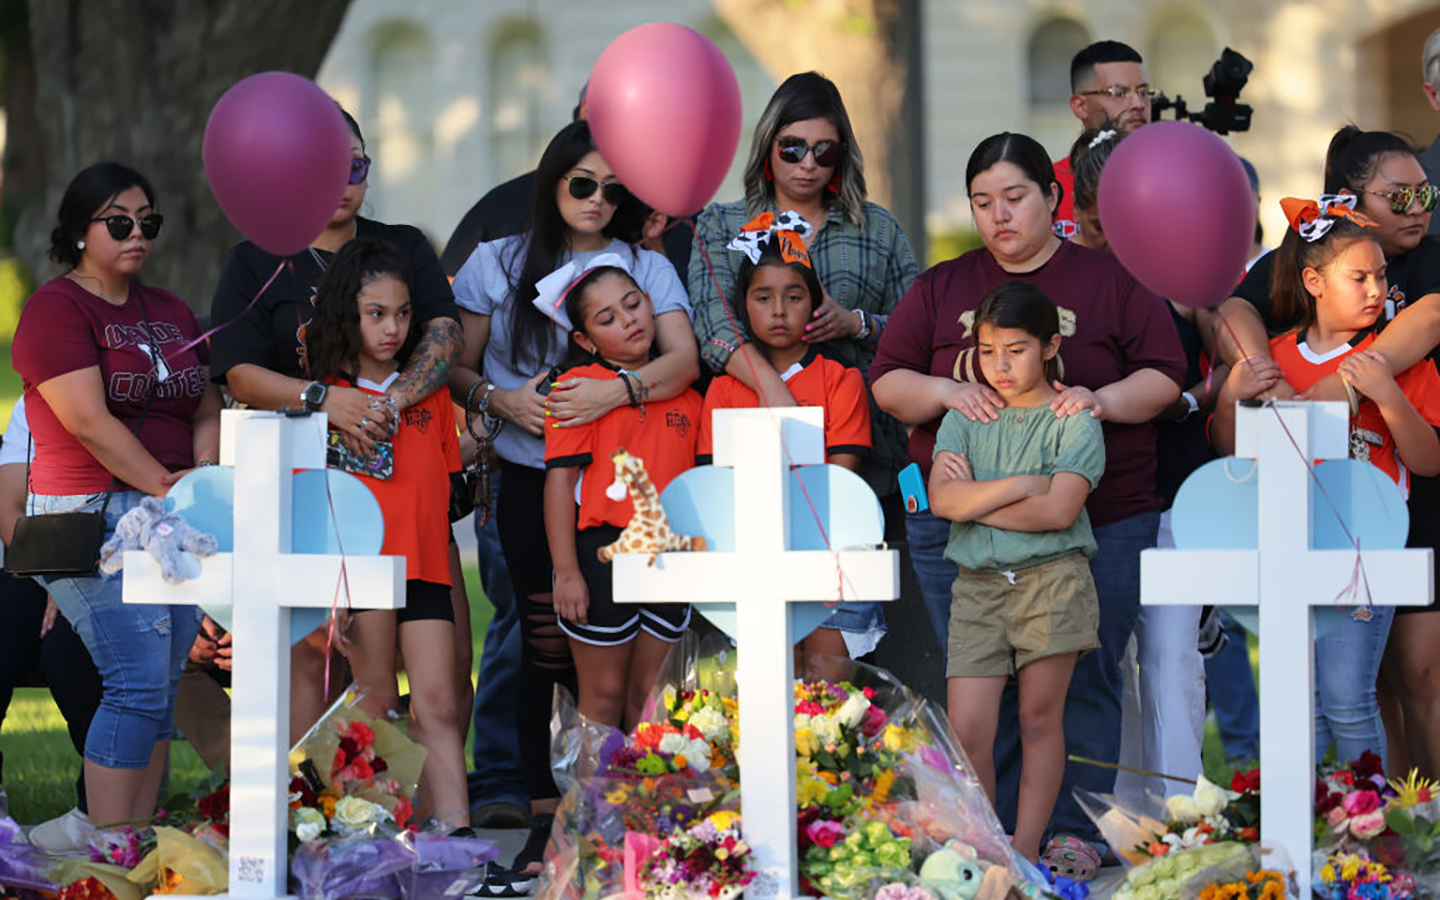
point(1335, 816)
point(1368, 825)
point(1358, 803)
point(824, 833)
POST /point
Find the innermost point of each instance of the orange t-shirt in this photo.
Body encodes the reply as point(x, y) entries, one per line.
point(416, 498)
point(1370, 439)
point(818, 381)
point(663, 436)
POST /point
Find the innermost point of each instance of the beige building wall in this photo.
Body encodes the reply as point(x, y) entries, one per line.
point(458, 95)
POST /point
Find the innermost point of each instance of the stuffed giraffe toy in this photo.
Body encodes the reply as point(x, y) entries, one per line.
point(649, 530)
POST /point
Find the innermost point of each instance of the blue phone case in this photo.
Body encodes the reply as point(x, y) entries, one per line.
point(912, 488)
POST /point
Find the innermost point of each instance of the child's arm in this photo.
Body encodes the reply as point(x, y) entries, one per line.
point(957, 496)
point(1415, 441)
point(849, 461)
point(572, 599)
point(1248, 378)
point(1054, 510)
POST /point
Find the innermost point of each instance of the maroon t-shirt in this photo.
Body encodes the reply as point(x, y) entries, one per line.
point(1110, 324)
point(65, 328)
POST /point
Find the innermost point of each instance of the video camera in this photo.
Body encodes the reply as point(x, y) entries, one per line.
point(1223, 84)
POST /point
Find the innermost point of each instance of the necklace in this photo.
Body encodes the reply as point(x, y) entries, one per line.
point(80, 278)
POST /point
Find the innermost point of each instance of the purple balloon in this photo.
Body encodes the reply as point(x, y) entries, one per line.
point(277, 155)
point(1177, 209)
point(664, 106)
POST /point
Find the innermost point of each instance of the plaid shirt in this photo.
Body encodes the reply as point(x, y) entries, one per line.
point(867, 268)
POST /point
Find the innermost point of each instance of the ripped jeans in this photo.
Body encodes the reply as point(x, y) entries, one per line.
point(139, 649)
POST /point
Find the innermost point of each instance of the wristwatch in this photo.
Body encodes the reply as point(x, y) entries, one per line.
point(1192, 405)
point(864, 331)
point(313, 396)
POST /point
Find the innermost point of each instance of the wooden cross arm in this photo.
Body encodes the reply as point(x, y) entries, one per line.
point(301, 580)
point(1232, 577)
point(728, 577)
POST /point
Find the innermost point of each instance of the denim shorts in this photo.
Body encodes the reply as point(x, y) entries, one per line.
point(139, 649)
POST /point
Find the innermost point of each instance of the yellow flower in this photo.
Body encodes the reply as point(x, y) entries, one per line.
point(882, 786)
point(1407, 792)
point(617, 796)
point(723, 819)
point(806, 742)
point(898, 740)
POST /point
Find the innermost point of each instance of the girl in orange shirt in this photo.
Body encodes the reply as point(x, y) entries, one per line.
point(361, 335)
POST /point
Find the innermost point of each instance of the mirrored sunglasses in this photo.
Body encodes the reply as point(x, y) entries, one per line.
point(827, 153)
point(359, 169)
point(1401, 198)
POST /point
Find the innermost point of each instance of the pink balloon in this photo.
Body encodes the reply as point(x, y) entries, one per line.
point(664, 108)
point(1177, 209)
point(277, 155)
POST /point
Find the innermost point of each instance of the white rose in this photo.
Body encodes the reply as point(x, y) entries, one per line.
point(672, 743)
point(825, 730)
point(1210, 798)
point(1181, 808)
point(356, 812)
point(309, 823)
point(711, 723)
point(852, 710)
point(697, 754)
point(802, 720)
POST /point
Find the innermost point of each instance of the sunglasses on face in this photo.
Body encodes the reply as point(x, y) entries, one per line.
point(120, 227)
point(582, 187)
point(793, 150)
point(1402, 197)
point(359, 169)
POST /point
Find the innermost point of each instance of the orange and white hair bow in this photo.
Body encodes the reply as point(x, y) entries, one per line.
point(551, 291)
point(788, 228)
point(1314, 220)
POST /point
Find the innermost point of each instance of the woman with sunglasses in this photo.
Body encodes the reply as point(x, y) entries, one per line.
point(258, 353)
point(120, 406)
point(506, 380)
point(1382, 170)
point(804, 157)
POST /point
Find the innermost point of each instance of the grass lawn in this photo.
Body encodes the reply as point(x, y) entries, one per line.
point(41, 764)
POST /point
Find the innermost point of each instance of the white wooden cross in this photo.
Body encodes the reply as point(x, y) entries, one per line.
point(1286, 579)
point(761, 577)
point(263, 581)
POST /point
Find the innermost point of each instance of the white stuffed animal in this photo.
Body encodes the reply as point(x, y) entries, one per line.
point(173, 542)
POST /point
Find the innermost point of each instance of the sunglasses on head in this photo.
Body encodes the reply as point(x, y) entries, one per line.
point(359, 169)
point(793, 150)
point(1402, 197)
point(120, 227)
point(582, 187)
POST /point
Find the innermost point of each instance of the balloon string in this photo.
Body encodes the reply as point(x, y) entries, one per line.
point(765, 404)
point(284, 264)
point(1359, 578)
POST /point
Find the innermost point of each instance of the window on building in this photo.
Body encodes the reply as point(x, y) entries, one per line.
point(399, 119)
point(1052, 45)
point(520, 92)
point(1182, 49)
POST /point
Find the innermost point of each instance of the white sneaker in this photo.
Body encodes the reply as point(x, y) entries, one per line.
point(67, 835)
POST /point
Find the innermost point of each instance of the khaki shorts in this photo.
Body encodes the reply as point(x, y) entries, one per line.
point(1000, 622)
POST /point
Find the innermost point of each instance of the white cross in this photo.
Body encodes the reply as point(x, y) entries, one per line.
point(1286, 579)
point(263, 581)
point(761, 577)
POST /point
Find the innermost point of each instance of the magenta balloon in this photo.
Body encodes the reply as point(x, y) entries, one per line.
point(664, 107)
point(277, 155)
point(1177, 209)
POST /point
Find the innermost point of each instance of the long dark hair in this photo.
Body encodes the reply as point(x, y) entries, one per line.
point(1020, 149)
point(1354, 155)
point(575, 308)
point(770, 256)
point(1291, 304)
point(92, 188)
point(531, 334)
point(332, 338)
point(1018, 304)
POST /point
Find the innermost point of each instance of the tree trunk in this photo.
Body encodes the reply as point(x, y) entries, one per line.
point(867, 47)
point(134, 81)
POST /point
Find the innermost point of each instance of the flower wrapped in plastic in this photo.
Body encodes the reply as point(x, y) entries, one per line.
point(1152, 827)
point(359, 867)
point(183, 864)
point(22, 867)
point(1394, 824)
point(1255, 872)
point(443, 866)
point(708, 858)
point(351, 772)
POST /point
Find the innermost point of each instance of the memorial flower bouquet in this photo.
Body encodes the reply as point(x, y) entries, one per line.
point(1209, 814)
point(707, 859)
point(1392, 824)
point(1354, 875)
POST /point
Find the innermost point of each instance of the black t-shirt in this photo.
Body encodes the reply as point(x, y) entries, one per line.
point(269, 333)
point(1411, 277)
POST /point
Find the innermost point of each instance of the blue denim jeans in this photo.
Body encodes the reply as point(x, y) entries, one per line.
point(139, 649)
point(1347, 659)
point(497, 776)
point(928, 536)
point(1231, 686)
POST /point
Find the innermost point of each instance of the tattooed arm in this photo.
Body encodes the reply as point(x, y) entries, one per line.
point(429, 367)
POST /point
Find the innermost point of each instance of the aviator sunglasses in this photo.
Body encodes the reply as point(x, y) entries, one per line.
point(582, 187)
point(793, 150)
point(1401, 198)
point(120, 227)
point(359, 169)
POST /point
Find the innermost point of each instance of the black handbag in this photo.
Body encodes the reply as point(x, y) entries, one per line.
point(66, 544)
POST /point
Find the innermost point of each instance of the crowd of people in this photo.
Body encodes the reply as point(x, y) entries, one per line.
point(1052, 403)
